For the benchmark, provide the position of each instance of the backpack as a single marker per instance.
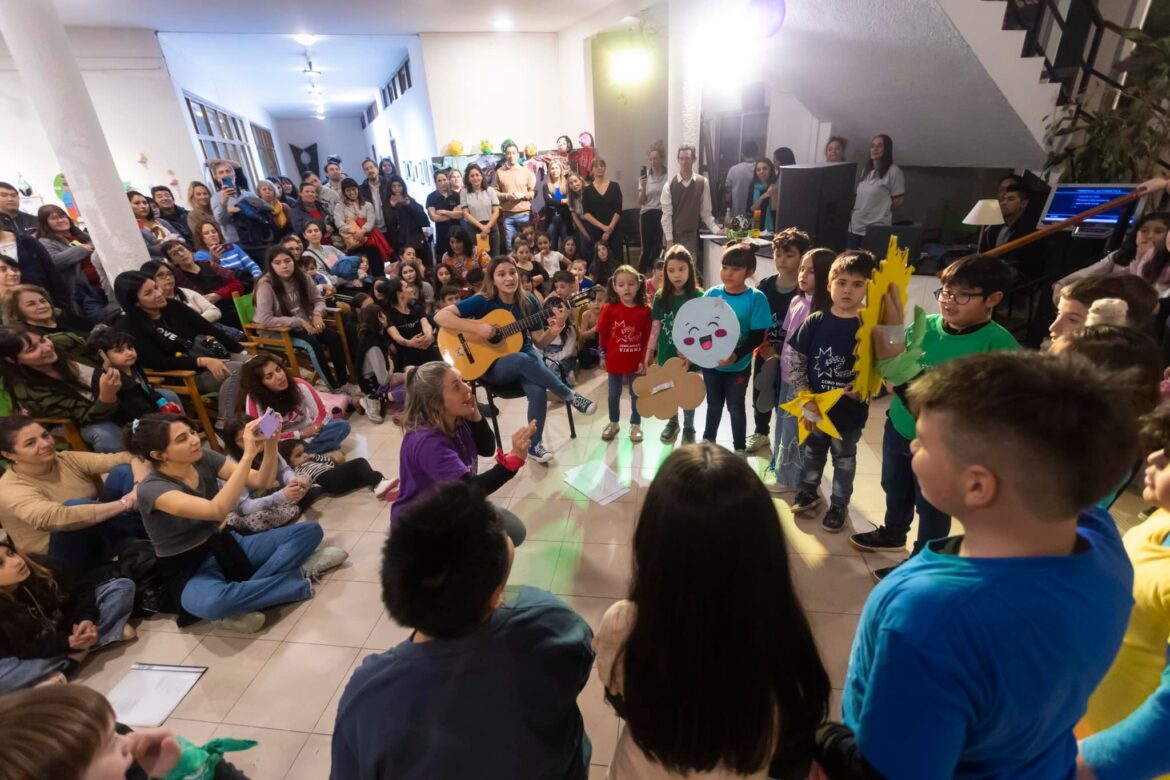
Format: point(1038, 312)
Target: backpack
point(347, 267)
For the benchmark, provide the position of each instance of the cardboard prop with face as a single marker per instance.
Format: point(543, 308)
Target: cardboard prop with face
point(705, 331)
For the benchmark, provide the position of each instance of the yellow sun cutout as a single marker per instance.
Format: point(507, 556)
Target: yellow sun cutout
point(894, 269)
point(824, 402)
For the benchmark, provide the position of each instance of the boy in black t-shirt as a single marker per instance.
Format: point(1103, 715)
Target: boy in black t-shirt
point(822, 360)
point(788, 246)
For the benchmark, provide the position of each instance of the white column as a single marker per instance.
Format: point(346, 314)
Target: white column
point(685, 77)
point(40, 48)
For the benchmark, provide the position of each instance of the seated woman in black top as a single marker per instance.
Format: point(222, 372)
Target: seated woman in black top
point(409, 327)
point(171, 337)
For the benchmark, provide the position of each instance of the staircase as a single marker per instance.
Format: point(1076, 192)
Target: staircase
point(1022, 80)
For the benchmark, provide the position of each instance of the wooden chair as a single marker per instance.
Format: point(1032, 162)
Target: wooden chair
point(182, 383)
point(282, 340)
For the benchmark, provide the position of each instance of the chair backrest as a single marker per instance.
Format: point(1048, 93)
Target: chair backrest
point(245, 306)
point(629, 226)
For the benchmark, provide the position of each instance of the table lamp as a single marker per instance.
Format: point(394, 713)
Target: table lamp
point(984, 213)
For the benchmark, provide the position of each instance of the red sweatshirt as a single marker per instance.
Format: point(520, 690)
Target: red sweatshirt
point(622, 333)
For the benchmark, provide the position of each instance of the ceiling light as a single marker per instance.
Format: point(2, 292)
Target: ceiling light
point(503, 23)
point(304, 39)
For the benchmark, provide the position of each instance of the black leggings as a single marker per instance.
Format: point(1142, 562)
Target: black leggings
point(351, 475)
point(327, 339)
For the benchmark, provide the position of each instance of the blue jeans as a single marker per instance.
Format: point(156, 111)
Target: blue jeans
point(816, 449)
point(730, 388)
point(786, 452)
point(557, 231)
point(615, 397)
point(332, 434)
point(527, 367)
point(93, 546)
point(103, 436)
point(115, 600)
point(277, 556)
point(688, 419)
point(903, 493)
point(512, 225)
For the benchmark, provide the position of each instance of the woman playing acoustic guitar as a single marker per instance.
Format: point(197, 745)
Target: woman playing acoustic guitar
point(501, 290)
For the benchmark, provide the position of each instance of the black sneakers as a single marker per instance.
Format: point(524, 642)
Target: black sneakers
point(881, 538)
point(807, 501)
point(834, 519)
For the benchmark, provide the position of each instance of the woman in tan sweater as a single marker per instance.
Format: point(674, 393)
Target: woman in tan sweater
point(50, 501)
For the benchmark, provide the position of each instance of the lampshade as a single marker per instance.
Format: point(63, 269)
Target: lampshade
point(984, 212)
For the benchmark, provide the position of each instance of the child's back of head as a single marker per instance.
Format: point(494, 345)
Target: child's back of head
point(1129, 361)
point(1046, 426)
point(445, 558)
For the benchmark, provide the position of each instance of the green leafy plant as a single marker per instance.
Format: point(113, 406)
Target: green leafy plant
point(1122, 139)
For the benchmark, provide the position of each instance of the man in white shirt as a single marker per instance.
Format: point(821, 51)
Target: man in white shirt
point(739, 178)
point(686, 205)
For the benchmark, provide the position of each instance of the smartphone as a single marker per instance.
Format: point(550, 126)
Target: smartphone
point(643, 171)
point(105, 359)
point(269, 423)
point(228, 183)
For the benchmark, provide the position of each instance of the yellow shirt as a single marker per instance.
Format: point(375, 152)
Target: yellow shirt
point(31, 508)
point(1137, 670)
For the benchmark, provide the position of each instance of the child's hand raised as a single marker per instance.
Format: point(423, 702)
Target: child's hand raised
point(522, 440)
point(893, 310)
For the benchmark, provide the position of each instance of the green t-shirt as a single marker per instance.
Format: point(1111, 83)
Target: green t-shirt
point(665, 346)
point(939, 347)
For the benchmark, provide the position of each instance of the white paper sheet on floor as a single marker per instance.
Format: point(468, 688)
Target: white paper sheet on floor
point(149, 693)
point(598, 482)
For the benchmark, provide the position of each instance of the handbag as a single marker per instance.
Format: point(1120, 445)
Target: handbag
point(207, 346)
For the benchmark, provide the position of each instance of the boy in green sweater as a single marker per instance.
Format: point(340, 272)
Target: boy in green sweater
point(971, 288)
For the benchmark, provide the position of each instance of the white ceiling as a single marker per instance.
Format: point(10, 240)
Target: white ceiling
point(353, 67)
point(340, 17)
point(898, 67)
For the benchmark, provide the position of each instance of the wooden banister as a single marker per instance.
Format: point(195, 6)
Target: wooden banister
point(1076, 219)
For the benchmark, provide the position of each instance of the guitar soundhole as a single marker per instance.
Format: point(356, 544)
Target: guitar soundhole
point(496, 337)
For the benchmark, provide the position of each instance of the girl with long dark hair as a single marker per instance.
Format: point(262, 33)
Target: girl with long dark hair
point(679, 286)
point(764, 193)
point(72, 251)
point(266, 383)
point(409, 328)
point(287, 298)
point(710, 560)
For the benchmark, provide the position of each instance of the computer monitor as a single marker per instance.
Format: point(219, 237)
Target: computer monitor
point(818, 199)
point(1068, 200)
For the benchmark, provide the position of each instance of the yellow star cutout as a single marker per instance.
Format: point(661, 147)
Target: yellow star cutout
point(824, 401)
point(894, 269)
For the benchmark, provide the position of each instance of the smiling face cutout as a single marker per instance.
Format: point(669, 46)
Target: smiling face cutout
point(705, 331)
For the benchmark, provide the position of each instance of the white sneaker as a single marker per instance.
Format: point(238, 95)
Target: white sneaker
point(758, 441)
point(322, 560)
point(247, 623)
point(373, 407)
point(387, 490)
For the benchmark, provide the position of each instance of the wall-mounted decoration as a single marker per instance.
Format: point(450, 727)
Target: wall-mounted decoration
point(306, 158)
point(423, 173)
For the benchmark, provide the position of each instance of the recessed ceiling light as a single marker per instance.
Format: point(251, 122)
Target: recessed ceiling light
point(503, 23)
point(304, 39)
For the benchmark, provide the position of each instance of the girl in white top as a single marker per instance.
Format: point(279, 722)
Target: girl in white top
point(881, 190)
point(324, 254)
point(709, 550)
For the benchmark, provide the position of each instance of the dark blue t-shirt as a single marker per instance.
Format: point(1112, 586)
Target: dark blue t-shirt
point(500, 702)
point(828, 341)
point(477, 306)
point(778, 302)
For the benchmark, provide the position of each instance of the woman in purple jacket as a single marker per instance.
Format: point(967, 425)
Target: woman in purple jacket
point(445, 435)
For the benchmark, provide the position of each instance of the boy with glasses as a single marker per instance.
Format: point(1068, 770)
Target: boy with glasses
point(971, 289)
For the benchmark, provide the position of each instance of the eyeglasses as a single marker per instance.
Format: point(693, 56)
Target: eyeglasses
point(946, 296)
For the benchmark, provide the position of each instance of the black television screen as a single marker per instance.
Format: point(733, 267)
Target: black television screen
point(818, 199)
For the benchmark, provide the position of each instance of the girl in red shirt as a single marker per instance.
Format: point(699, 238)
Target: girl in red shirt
point(623, 331)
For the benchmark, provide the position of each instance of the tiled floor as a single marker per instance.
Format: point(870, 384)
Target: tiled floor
point(281, 686)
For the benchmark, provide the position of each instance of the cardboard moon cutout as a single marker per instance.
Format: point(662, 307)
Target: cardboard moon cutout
point(705, 331)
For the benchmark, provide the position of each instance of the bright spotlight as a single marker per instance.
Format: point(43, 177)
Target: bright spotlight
point(630, 66)
point(304, 39)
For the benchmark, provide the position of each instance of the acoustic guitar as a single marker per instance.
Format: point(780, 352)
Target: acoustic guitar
point(474, 355)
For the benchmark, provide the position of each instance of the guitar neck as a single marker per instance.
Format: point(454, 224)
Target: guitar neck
point(520, 325)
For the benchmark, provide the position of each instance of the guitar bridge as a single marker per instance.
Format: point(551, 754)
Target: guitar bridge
point(466, 348)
